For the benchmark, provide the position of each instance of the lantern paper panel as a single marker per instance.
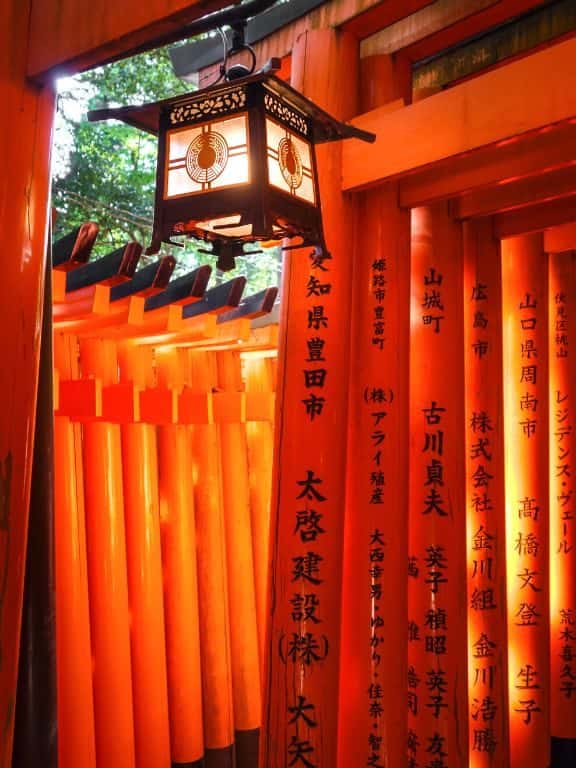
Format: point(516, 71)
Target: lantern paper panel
point(208, 156)
point(289, 162)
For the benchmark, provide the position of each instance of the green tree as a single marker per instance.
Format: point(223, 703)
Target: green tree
point(105, 172)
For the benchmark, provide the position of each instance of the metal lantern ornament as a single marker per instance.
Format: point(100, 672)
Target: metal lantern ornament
point(236, 162)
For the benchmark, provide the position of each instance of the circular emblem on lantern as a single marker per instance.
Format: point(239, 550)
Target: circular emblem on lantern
point(206, 157)
point(290, 163)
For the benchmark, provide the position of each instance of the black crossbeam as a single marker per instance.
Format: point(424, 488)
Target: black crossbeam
point(219, 299)
point(155, 276)
point(120, 264)
point(189, 287)
point(253, 306)
point(74, 249)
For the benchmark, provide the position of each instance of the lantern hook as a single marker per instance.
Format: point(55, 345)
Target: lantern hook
point(237, 71)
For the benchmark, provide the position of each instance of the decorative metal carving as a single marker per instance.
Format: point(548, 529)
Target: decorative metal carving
point(286, 114)
point(224, 103)
point(206, 157)
point(290, 163)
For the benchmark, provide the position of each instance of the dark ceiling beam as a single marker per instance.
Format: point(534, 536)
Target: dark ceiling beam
point(188, 59)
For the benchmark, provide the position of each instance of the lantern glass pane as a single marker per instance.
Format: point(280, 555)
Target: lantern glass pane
point(289, 162)
point(225, 226)
point(209, 156)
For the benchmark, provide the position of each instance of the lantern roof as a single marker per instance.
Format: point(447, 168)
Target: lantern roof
point(146, 117)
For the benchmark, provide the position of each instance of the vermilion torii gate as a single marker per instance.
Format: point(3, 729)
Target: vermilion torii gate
point(422, 485)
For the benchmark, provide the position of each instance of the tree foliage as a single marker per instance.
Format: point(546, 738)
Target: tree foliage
point(105, 172)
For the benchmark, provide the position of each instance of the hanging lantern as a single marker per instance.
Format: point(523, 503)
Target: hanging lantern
point(236, 163)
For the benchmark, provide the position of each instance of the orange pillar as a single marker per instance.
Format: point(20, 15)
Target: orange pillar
point(76, 739)
point(144, 561)
point(525, 299)
point(212, 577)
point(240, 567)
point(373, 693)
point(437, 687)
point(176, 489)
point(260, 439)
point(107, 574)
point(562, 361)
point(301, 687)
point(372, 724)
point(485, 501)
point(25, 135)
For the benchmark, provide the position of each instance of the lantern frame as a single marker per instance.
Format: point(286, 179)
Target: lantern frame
point(266, 211)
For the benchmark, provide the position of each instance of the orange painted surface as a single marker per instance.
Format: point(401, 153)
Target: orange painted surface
point(437, 601)
point(107, 574)
point(547, 186)
point(372, 723)
point(485, 503)
point(562, 361)
point(446, 24)
point(145, 579)
point(260, 440)
point(560, 239)
point(501, 104)
point(145, 583)
point(528, 155)
point(76, 741)
point(240, 561)
point(366, 22)
point(180, 594)
point(525, 298)
point(76, 737)
point(212, 568)
point(301, 686)
point(374, 608)
point(67, 35)
point(535, 218)
point(25, 135)
point(143, 552)
point(179, 560)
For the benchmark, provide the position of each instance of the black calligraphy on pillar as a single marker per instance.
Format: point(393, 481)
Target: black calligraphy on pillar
point(378, 283)
point(484, 704)
point(375, 703)
point(526, 614)
point(377, 401)
point(432, 302)
point(305, 644)
point(315, 370)
point(302, 721)
point(564, 522)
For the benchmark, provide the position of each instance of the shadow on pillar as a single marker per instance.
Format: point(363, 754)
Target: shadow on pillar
point(563, 753)
point(35, 735)
point(246, 743)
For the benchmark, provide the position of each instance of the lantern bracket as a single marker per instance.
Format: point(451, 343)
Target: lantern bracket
point(239, 44)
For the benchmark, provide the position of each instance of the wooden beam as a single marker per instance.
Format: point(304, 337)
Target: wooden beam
point(442, 25)
point(69, 36)
point(516, 194)
point(381, 15)
point(528, 155)
point(358, 17)
point(560, 239)
point(524, 96)
point(535, 218)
